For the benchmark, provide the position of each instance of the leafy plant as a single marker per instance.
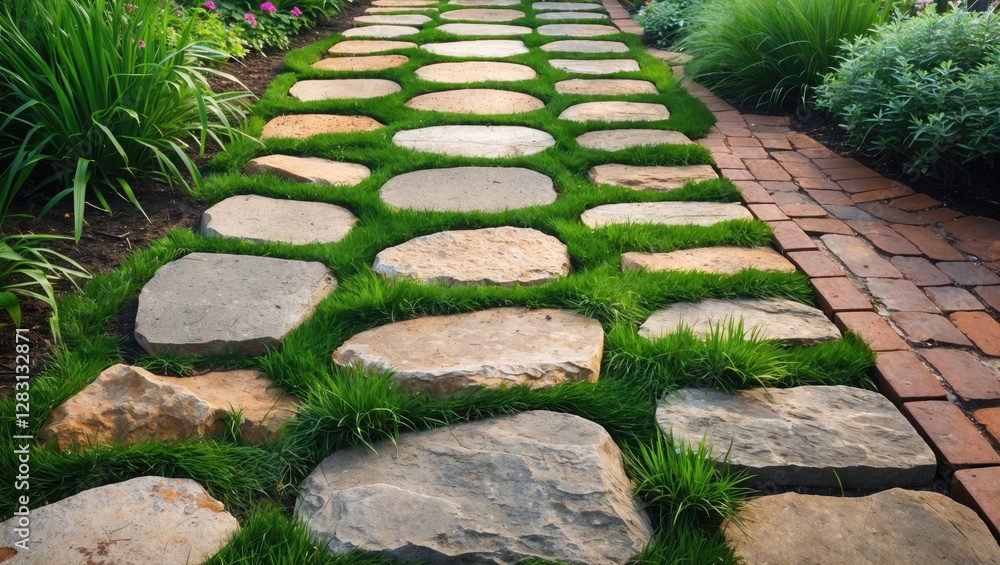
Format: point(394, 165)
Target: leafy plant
point(267, 25)
point(208, 28)
point(663, 21)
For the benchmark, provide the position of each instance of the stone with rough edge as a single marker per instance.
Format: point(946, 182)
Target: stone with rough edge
point(559, 16)
point(665, 213)
point(476, 101)
point(402, 9)
point(345, 88)
point(482, 15)
point(475, 141)
point(404, 3)
point(896, 526)
point(585, 46)
point(129, 404)
point(480, 3)
point(302, 126)
point(259, 218)
point(537, 485)
point(475, 71)
point(371, 63)
point(469, 189)
point(772, 318)
point(308, 169)
point(820, 436)
point(393, 19)
point(595, 67)
point(213, 303)
point(612, 111)
point(381, 31)
point(718, 260)
point(651, 178)
point(142, 520)
point(565, 6)
point(605, 87)
point(485, 30)
point(618, 139)
point(362, 46)
point(479, 48)
point(576, 30)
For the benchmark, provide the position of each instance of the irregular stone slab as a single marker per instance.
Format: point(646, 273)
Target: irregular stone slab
point(895, 526)
point(556, 16)
point(670, 56)
point(308, 169)
point(143, 520)
point(618, 139)
point(565, 6)
point(605, 87)
point(596, 66)
point(486, 30)
point(475, 141)
point(475, 71)
point(502, 490)
point(129, 404)
point(615, 112)
point(820, 436)
point(258, 218)
point(723, 260)
point(302, 126)
point(651, 178)
point(362, 46)
point(381, 31)
point(469, 189)
point(345, 88)
point(484, 2)
point(213, 303)
point(404, 3)
point(665, 213)
point(576, 30)
point(398, 19)
point(479, 48)
point(373, 63)
point(585, 46)
point(504, 256)
point(482, 15)
point(773, 318)
point(442, 355)
point(401, 9)
point(476, 101)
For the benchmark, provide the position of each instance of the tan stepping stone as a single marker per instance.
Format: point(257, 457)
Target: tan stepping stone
point(364, 46)
point(476, 101)
point(308, 169)
point(401, 9)
point(442, 355)
point(670, 56)
point(564, 6)
point(595, 67)
point(475, 71)
point(576, 30)
point(129, 404)
point(482, 15)
point(345, 88)
point(404, 3)
point(213, 303)
point(142, 520)
point(894, 526)
point(381, 31)
point(817, 436)
point(302, 126)
point(773, 318)
point(651, 178)
point(556, 16)
point(618, 139)
point(476, 141)
point(585, 46)
point(485, 30)
point(469, 189)
point(393, 19)
point(605, 86)
point(615, 112)
point(479, 48)
point(721, 260)
point(504, 256)
point(258, 218)
point(372, 63)
point(665, 213)
point(484, 2)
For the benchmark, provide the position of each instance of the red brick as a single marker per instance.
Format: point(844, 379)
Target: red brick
point(762, 120)
point(766, 169)
point(968, 274)
point(803, 210)
point(881, 194)
point(976, 236)
point(966, 375)
point(859, 258)
point(744, 142)
point(851, 173)
point(817, 152)
point(736, 174)
point(867, 184)
point(747, 152)
point(890, 214)
point(823, 226)
point(726, 160)
point(884, 238)
point(920, 271)
point(789, 157)
point(941, 215)
point(815, 264)
point(733, 131)
point(979, 489)
point(989, 418)
point(981, 328)
point(803, 141)
point(991, 294)
point(930, 245)
point(898, 295)
point(870, 327)
point(830, 197)
point(767, 212)
point(753, 192)
point(779, 143)
point(831, 163)
point(732, 115)
point(901, 377)
point(915, 203)
point(819, 184)
point(921, 327)
point(803, 170)
point(951, 434)
point(953, 299)
point(837, 294)
point(769, 129)
point(789, 237)
point(780, 186)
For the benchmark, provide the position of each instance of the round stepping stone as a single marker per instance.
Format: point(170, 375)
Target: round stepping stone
point(895, 526)
point(595, 67)
point(346, 88)
point(481, 48)
point(772, 318)
point(469, 189)
point(401, 9)
point(665, 213)
point(618, 139)
point(651, 178)
point(556, 16)
point(484, 2)
point(398, 19)
point(576, 30)
point(142, 520)
point(504, 256)
point(820, 436)
point(476, 141)
point(302, 126)
point(486, 30)
point(373, 63)
point(363, 46)
point(585, 46)
point(475, 71)
point(257, 218)
point(381, 31)
point(482, 15)
point(615, 112)
point(502, 490)
point(476, 101)
point(564, 6)
point(442, 355)
point(404, 3)
point(308, 169)
point(716, 260)
point(213, 303)
point(605, 87)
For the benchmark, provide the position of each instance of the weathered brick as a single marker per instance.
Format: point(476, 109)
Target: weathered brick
point(940, 215)
point(953, 299)
point(838, 294)
point(976, 236)
point(920, 271)
point(851, 173)
point(766, 169)
point(747, 152)
point(870, 327)
point(763, 120)
point(979, 489)
point(867, 184)
point(736, 174)
point(859, 258)
point(831, 163)
point(830, 197)
point(724, 159)
point(930, 245)
point(803, 210)
point(966, 375)
point(803, 141)
point(789, 237)
point(744, 141)
point(815, 264)
point(817, 152)
point(819, 184)
point(915, 203)
point(892, 215)
point(921, 327)
point(901, 377)
point(779, 143)
point(981, 328)
point(951, 434)
point(968, 274)
point(989, 418)
point(789, 157)
point(767, 212)
point(884, 238)
point(753, 192)
point(803, 170)
point(991, 294)
point(899, 295)
point(780, 186)
point(850, 213)
point(823, 226)
point(881, 194)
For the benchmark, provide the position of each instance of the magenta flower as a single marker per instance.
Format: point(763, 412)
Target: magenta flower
point(250, 19)
point(268, 7)
point(210, 6)
point(296, 11)
point(142, 44)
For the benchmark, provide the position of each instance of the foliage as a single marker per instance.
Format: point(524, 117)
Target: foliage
point(209, 29)
point(268, 25)
point(663, 21)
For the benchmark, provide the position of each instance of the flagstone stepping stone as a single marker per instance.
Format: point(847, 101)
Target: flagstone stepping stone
point(302, 126)
point(585, 46)
point(397, 19)
point(214, 303)
point(613, 111)
point(345, 88)
point(479, 48)
point(475, 71)
point(476, 101)
point(363, 46)
point(533, 486)
point(723, 260)
point(258, 218)
point(486, 30)
point(576, 30)
point(651, 178)
point(894, 526)
point(504, 256)
point(595, 67)
point(565, 6)
point(372, 63)
point(484, 2)
point(475, 141)
point(665, 213)
point(482, 15)
point(605, 87)
point(381, 31)
point(442, 355)
point(820, 436)
point(571, 16)
point(469, 189)
point(404, 3)
point(772, 318)
point(618, 139)
point(401, 9)
point(129, 404)
point(308, 169)
point(142, 520)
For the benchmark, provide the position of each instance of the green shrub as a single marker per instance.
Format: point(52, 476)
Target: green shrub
point(926, 90)
point(663, 21)
point(269, 24)
point(209, 29)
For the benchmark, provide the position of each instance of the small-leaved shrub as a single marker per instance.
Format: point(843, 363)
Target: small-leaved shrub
point(208, 28)
point(663, 21)
point(269, 24)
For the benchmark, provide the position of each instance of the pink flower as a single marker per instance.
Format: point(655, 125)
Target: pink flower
point(142, 44)
point(268, 7)
point(250, 19)
point(296, 11)
point(210, 6)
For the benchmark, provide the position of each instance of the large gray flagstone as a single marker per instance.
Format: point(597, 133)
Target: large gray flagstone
point(595, 66)
point(475, 141)
point(393, 19)
point(651, 178)
point(258, 218)
point(585, 46)
point(485, 30)
point(479, 48)
point(364, 46)
point(722, 260)
point(476, 101)
point(381, 31)
point(475, 71)
point(576, 30)
point(618, 139)
point(615, 111)
point(665, 213)
point(482, 15)
point(469, 189)
point(345, 88)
